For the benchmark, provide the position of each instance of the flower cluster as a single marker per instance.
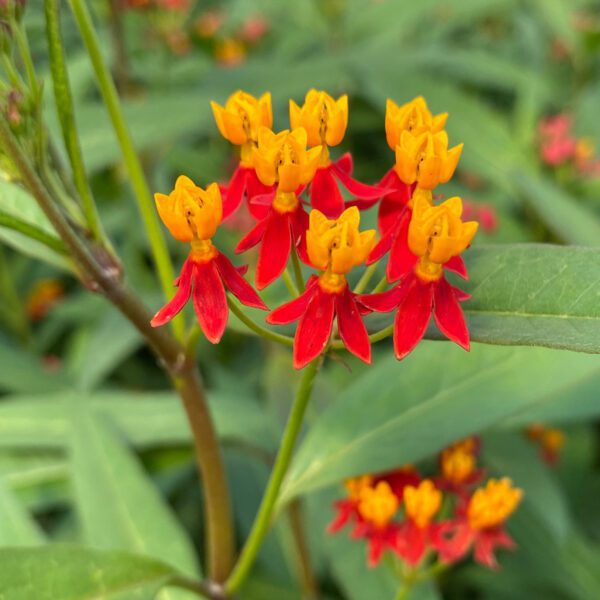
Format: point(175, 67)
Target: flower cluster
point(306, 207)
point(559, 146)
point(415, 518)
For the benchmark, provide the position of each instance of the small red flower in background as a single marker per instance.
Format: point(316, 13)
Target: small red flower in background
point(458, 467)
point(192, 215)
point(334, 247)
point(436, 236)
point(484, 214)
point(480, 524)
point(325, 120)
point(557, 142)
point(43, 297)
point(549, 439)
point(421, 504)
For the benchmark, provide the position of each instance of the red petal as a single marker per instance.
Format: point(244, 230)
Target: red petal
point(356, 188)
point(255, 188)
point(352, 329)
point(179, 300)
point(452, 539)
point(252, 237)
point(449, 315)
point(299, 220)
point(394, 202)
point(376, 547)
point(389, 300)
point(210, 301)
point(346, 509)
point(344, 163)
point(412, 318)
point(235, 191)
point(381, 247)
point(460, 295)
point(325, 194)
point(402, 260)
point(274, 250)
point(457, 265)
point(237, 285)
point(412, 543)
point(292, 311)
point(314, 328)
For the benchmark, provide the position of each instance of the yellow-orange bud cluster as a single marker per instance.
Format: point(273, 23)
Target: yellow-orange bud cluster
point(458, 461)
point(437, 233)
point(337, 245)
point(492, 505)
point(242, 116)
point(422, 502)
point(189, 212)
point(378, 504)
point(324, 118)
point(282, 158)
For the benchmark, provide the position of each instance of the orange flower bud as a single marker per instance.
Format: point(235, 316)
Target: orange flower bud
point(337, 245)
point(242, 116)
point(189, 212)
point(378, 504)
point(422, 502)
point(492, 505)
point(324, 118)
point(425, 159)
point(282, 158)
point(414, 117)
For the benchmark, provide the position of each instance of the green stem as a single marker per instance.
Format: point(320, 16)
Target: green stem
point(132, 161)
point(363, 282)
point(289, 284)
point(262, 521)
point(31, 231)
point(182, 370)
point(404, 591)
point(11, 300)
point(237, 310)
point(23, 46)
point(66, 115)
point(374, 337)
point(381, 285)
point(297, 270)
point(306, 576)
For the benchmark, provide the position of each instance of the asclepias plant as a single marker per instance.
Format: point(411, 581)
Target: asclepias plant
point(306, 207)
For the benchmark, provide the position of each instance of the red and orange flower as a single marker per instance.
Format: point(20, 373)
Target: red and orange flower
point(192, 215)
point(436, 235)
point(334, 247)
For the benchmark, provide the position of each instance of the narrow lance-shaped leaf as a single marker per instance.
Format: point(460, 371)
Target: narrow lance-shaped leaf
point(399, 413)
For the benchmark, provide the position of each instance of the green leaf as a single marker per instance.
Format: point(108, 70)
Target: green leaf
point(17, 203)
point(118, 505)
point(534, 295)
point(23, 372)
point(146, 419)
point(569, 219)
point(77, 573)
point(403, 412)
point(17, 528)
point(92, 362)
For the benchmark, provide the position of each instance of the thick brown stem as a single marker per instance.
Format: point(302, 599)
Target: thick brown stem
point(181, 368)
point(305, 572)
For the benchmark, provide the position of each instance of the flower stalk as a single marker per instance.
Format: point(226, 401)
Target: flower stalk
point(264, 517)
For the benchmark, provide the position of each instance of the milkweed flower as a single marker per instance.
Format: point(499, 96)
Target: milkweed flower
point(192, 215)
point(239, 122)
point(550, 440)
point(436, 235)
point(347, 509)
point(377, 507)
point(480, 524)
point(421, 504)
point(458, 467)
point(325, 120)
point(334, 247)
point(280, 160)
point(422, 162)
